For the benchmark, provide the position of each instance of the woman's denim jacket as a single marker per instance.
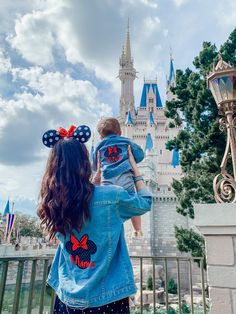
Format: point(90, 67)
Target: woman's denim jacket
point(93, 268)
point(114, 155)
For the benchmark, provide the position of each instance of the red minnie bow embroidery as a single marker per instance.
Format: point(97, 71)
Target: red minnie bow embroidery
point(112, 150)
point(76, 244)
point(67, 133)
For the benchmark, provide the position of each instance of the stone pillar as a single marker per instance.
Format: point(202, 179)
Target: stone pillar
point(217, 223)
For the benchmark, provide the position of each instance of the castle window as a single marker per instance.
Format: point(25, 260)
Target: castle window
point(158, 189)
point(160, 151)
point(169, 189)
point(151, 100)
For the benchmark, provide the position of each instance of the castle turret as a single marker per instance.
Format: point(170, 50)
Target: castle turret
point(175, 158)
point(171, 82)
point(149, 143)
point(127, 75)
point(129, 121)
point(151, 119)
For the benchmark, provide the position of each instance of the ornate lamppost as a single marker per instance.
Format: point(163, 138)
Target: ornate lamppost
point(222, 83)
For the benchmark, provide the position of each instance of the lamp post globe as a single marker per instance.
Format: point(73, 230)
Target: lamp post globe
point(222, 83)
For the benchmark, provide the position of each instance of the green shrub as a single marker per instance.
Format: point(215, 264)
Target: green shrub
point(185, 309)
point(172, 286)
point(150, 283)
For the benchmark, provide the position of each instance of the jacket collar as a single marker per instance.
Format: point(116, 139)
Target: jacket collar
point(110, 136)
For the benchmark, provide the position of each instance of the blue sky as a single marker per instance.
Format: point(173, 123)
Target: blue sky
point(59, 65)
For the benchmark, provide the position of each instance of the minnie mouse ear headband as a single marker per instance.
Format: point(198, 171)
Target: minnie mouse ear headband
point(81, 133)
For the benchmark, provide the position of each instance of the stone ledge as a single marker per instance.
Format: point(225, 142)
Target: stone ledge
point(216, 219)
point(220, 250)
point(220, 301)
point(222, 276)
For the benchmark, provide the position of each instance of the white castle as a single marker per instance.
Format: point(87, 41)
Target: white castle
point(148, 126)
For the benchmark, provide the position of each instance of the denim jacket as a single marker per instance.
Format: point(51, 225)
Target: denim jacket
point(93, 268)
point(114, 155)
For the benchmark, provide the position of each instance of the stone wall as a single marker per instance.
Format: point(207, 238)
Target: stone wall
point(24, 251)
point(217, 222)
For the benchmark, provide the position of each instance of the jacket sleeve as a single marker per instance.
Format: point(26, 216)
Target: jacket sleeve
point(94, 162)
point(137, 152)
point(135, 204)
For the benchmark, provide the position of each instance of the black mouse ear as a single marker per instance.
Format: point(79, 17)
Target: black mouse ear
point(50, 138)
point(82, 133)
point(92, 247)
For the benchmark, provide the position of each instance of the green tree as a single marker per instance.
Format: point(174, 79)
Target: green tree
point(27, 226)
point(150, 283)
point(200, 141)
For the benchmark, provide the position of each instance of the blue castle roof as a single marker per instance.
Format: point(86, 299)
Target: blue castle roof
point(175, 158)
point(172, 72)
point(146, 88)
point(149, 142)
point(150, 118)
point(129, 119)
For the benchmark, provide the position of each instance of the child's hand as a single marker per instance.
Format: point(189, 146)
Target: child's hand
point(133, 162)
point(97, 177)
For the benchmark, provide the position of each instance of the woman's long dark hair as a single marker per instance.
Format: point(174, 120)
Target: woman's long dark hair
point(66, 189)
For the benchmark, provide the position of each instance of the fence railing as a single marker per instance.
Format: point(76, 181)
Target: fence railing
point(13, 271)
point(165, 260)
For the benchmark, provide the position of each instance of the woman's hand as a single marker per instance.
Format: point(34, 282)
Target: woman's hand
point(133, 162)
point(97, 177)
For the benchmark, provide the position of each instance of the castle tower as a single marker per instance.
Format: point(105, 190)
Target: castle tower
point(127, 75)
point(170, 82)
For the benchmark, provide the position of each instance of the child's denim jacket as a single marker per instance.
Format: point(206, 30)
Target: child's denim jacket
point(114, 155)
point(92, 267)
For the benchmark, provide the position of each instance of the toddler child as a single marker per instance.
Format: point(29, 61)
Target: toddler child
point(115, 165)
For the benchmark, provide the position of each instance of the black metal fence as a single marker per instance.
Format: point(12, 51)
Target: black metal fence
point(41, 276)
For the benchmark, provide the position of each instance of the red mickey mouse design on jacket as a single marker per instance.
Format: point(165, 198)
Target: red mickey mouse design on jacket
point(113, 153)
point(81, 250)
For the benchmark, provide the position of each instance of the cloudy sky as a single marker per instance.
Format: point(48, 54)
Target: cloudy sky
point(59, 66)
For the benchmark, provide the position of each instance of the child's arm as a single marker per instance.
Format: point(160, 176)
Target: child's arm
point(134, 204)
point(137, 152)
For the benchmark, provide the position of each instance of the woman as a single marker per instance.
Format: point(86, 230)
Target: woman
point(91, 271)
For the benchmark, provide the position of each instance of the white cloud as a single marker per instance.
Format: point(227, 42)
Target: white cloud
point(34, 38)
point(225, 12)
point(51, 33)
point(165, 32)
point(49, 99)
point(5, 63)
point(151, 24)
point(149, 3)
point(40, 32)
point(178, 3)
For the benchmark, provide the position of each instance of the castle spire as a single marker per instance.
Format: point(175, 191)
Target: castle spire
point(170, 82)
point(127, 75)
point(171, 79)
point(127, 45)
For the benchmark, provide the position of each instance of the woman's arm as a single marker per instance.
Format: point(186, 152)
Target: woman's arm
point(139, 184)
point(134, 204)
point(97, 176)
point(137, 152)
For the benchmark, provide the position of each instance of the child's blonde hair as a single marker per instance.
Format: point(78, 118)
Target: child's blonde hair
point(107, 126)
